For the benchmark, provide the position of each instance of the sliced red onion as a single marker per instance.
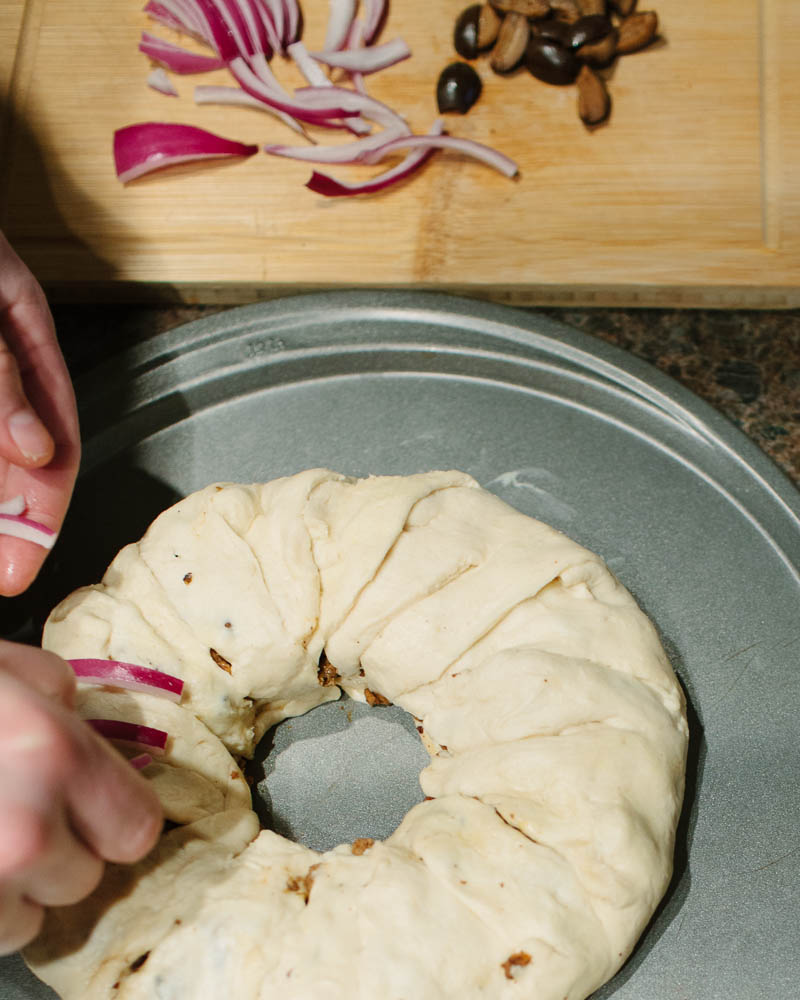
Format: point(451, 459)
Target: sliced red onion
point(468, 147)
point(158, 12)
point(346, 152)
point(374, 17)
point(352, 103)
point(256, 28)
point(263, 10)
point(131, 676)
point(331, 187)
point(277, 15)
point(369, 59)
point(14, 505)
point(153, 740)
point(147, 146)
point(218, 30)
point(308, 65)
point(322, 113)
point(204, 94)
point(159, 81)
point(140, 761)
point(292, 11)
point(317, 77)
point(31, 531)
point(229, 9)
point(175, 58)
point(182, 15)
point(356, 41)
point(340, 18)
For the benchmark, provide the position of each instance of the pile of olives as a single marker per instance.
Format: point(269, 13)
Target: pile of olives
point(558, 41)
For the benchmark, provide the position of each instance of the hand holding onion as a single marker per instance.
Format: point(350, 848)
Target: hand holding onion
point(68, 801)
point(39, 437)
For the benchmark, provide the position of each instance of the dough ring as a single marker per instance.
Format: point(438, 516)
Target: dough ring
point(555, 723)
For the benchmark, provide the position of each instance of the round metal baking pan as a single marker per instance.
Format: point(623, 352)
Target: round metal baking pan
point(693, 518)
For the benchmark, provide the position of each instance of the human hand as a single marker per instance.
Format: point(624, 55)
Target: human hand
point(68, 801)
point(39, 436)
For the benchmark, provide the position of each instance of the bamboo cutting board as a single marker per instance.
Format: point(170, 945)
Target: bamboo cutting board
point(689, 196)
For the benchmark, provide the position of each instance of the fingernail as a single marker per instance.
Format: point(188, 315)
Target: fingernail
point(29, 435)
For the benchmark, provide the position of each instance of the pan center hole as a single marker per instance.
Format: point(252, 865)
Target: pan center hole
point(341, 771)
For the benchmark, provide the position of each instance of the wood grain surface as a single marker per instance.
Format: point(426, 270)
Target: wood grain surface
point(690, 195)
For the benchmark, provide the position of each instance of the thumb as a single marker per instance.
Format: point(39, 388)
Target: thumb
point(24, 440)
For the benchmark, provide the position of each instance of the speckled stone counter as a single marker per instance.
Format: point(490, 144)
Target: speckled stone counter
point(745, 364)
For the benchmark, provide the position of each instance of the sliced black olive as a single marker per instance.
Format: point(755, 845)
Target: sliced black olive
point(465, 35)
point(551, 62)
point(589, 29)
point(459, 87)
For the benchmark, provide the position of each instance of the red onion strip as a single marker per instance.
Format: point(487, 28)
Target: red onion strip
point(158, 80)
point(340, 18)
point(353, 103)
point(19, 526)
point(369, 59)
point(468, 147)
point(140, 761)
point(292, 11)
point(319, 114)
point(131, 676)
point(175, 58)
point(356, 41)
point(267, 20)
point(331, 187)
point(204, 94)
point(255, 27)
point(147, 146)
point(233, 18)
point(317, 77)
point(308, 65)
point(14, 505)
point(346, 152)
point(186, 16)
point(158, 12)
point(154, 740)
point(278, 15)
point(374, 18)
point(219, 33)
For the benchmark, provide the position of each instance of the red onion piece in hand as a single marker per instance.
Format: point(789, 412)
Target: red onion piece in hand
point(23, 527)
point(14, 505)
point(153, 740)
point(132, 676)
point(140, 761)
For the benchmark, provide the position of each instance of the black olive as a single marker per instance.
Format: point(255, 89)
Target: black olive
point(588, 29)
point(551, 62)
point(459, 87)
point(465, 35)
point(554, 30)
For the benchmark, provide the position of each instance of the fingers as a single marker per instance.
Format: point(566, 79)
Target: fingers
point(45, 672)
point(112, 807)
point(24, 439)
point(20, 921)
point(68, 800)
point(39, 435)
point(43, 859)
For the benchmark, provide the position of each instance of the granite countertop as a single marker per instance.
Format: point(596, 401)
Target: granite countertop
point(746, 364)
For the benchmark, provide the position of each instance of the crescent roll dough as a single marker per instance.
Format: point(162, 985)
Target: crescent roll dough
point(556, 728)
